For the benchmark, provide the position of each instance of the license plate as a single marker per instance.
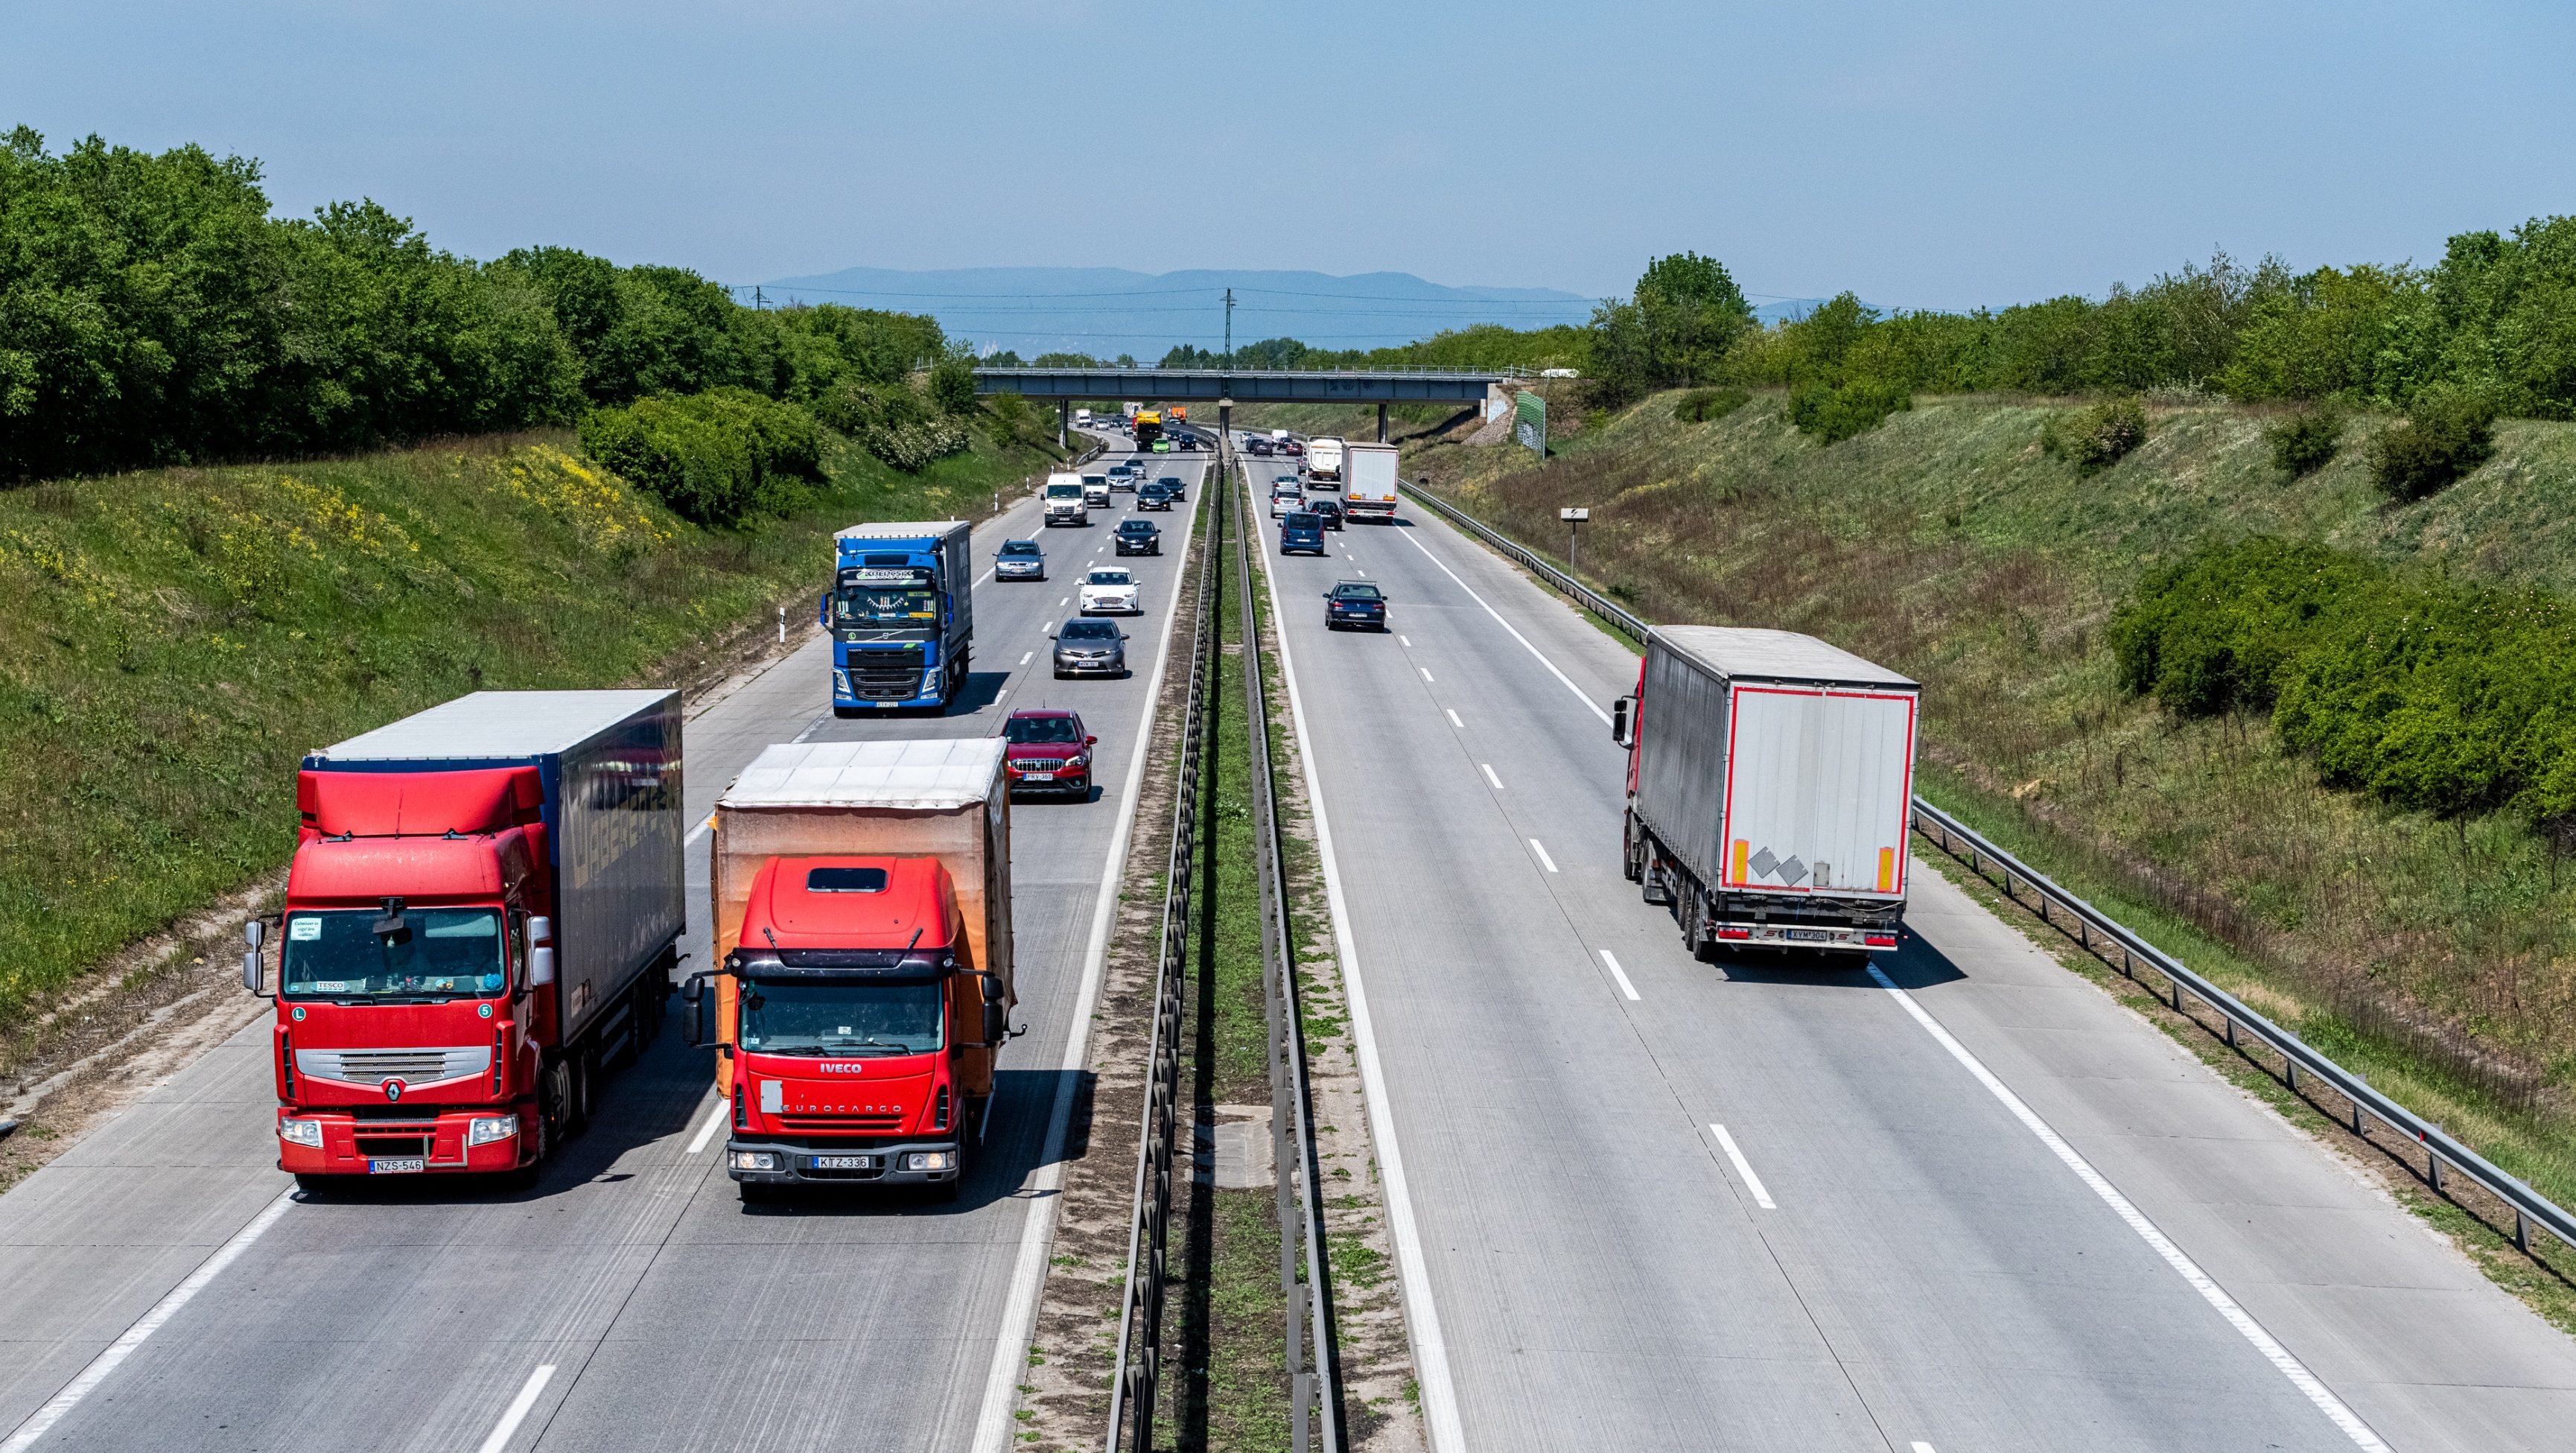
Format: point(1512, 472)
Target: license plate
point(845, 1162)
point(1811, 935)
point(405, 1165)
point(1037, 776)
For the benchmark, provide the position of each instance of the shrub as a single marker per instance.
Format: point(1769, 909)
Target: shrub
point(2304, 442)
point(1706, 405)
point(892, 422)
point(713, 457)
point(1833, 413)
point(2445, 435)
point(2094, 439)
point(952, 385)
point(2427, 695)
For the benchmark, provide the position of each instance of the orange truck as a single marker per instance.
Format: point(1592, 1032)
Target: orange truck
point(861, 897)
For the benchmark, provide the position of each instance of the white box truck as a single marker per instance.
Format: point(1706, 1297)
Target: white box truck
point(1368, 492)
point(1324, 459)
point(1770, 784)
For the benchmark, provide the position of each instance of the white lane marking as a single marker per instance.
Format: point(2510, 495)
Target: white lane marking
point(42, 1420)
point(700, 830)
point(1425, 670)
point(811, 728)
point(1919, 1446)
point(1026, 659)
point(517, 1412)
point(1405, 641)
point(1744, 1168)
point(1543, 858)
point(998, 695)
point(2273, 1352)
point(1061, 604)
point(1362, 574)
point(1620, 974)
point(994, 1426)
point(1453, 718)
point(1579, 695)
point(1489, 775)
point(1445, 1432)
point(715, 1122)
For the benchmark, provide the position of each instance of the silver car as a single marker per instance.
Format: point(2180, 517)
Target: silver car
point(1019, 560)
point(1087, 647)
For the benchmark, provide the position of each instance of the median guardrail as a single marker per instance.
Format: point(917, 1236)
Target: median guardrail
point(1137, 1378)
point(1313, 1383)
point(2106, 938)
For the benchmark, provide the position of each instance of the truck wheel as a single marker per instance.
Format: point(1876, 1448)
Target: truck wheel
point(1694, 923)
point(554, 1107)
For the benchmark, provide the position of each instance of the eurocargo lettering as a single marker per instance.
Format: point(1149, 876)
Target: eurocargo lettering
point(861, 903)
point(1770, 780)
point(901, 611)
point(480, 919)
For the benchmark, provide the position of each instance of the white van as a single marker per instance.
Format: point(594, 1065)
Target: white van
point(1064, 501)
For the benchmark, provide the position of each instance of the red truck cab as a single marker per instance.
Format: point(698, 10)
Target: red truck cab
point(845, 1010)
point(406, 1035)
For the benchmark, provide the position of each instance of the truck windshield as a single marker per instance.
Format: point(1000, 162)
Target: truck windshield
point(886, 597)
point(842, 1016)
point(435, 953)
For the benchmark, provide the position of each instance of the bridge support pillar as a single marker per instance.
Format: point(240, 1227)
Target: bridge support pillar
point(1224, 427)
point(1063, 423)
point(1381, 423)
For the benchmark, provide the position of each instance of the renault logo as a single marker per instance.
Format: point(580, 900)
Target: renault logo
point(393, 1089)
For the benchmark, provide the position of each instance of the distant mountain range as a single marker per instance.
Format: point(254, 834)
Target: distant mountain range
point(1107, 311)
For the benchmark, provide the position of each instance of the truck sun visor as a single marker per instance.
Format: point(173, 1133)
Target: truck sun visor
point(843, 961)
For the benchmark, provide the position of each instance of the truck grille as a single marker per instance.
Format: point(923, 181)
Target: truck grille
point(375, 1066)
point(393, 1147)
point(885, 675)
point(843, 1124)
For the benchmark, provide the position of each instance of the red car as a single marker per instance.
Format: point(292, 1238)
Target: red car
point(1049, 751)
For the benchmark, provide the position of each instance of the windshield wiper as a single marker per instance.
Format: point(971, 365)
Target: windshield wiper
point(869, 1045)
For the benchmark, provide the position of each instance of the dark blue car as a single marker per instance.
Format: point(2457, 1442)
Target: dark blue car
point(1355, 603)
point(1301, 530)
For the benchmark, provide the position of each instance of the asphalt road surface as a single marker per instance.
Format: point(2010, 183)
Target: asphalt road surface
point(670, 1315)
point(1877, 1250)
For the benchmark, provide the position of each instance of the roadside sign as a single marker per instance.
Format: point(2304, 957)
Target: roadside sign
point(1530, 424)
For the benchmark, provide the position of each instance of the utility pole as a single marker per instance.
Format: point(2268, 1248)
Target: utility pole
point(1229, 327)
point(759, 300)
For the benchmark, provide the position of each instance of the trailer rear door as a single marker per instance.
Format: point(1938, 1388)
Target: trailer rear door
point(1819, 780)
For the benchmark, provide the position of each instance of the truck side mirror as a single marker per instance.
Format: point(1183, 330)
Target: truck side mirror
point(1619, 721)
point(693, 992)
point(541, 966)
point(823, 610)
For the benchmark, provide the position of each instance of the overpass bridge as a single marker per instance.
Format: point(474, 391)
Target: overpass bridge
point(1226, 387)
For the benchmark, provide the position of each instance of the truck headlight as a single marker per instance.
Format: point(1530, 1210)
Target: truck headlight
point(301, 1132)
point(930, 679)
point(484, 1129)
point(840, 681)
point(754, 1160)
point(930, 1160)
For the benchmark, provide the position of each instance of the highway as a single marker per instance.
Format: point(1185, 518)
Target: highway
point(631, 1300)
point(1647, 1203)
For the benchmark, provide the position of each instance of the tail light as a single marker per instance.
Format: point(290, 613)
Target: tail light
point(1734, 932)
point(740, 1117)
point(939, 1110)
point(1880, 940)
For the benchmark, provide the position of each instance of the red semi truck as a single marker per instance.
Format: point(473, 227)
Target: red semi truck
point(861, 905)
point(483, 912)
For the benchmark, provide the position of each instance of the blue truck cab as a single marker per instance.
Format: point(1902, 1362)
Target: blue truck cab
point(901, 612)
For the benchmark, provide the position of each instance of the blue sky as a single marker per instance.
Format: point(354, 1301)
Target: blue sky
point(1922, 154)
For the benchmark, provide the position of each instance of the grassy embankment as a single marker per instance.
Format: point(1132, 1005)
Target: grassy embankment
point(176, 639)
point(2437, 957)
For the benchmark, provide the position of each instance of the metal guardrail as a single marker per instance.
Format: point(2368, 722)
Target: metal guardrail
point(1137, 1378)
point(2104, 936)
point(1314, 1386)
